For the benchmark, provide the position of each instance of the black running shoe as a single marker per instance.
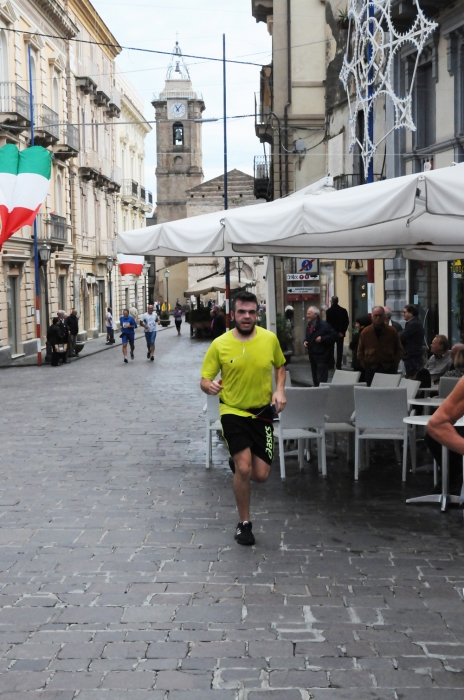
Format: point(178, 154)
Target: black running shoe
point(148, 355)
point(232, 465)
point(152, 358)
point(244, 535)
point(132, 355)
point(126, 360)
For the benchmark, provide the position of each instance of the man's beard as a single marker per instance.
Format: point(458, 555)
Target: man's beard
point(245, 331)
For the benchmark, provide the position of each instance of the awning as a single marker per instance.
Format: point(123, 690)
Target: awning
point(214, 284)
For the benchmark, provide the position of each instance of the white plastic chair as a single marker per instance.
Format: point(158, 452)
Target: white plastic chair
point(379, 416)
point(213, 424)
point(340, 408)
point(342, 376)
point(385, 380)
point(411, 386)
point(446, 386)
point(288, 379)
point(303, 419)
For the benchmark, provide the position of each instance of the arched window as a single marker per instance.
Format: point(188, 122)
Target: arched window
point(59, 195)
point(35, 86)
point(3, 58)
point(55, 93)
point(178, 134)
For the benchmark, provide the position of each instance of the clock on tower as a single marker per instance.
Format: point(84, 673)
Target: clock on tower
point(179, 149)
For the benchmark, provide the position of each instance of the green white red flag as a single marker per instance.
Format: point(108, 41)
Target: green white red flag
point(24, 185)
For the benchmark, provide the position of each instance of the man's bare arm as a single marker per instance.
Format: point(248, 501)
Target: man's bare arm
point(441, 424)
point(278, 398)
point(211, 386)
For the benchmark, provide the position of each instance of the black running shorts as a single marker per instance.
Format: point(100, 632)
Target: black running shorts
point(240, 432)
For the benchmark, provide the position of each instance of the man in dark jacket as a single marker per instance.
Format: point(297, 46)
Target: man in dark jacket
point(73, 327)
point(412, 340)
point(320, 339)
point(379, 347)
point(337, 316)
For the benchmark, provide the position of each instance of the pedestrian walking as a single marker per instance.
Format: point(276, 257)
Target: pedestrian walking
point(134, 313)
point(72, 324)
point(338, 318)
point(245, 357)
point(109, 326)
point(379, 347)
point(128, 326)
point(57, 336)
point(319, 341)
point(178, 318)
point(218, 322)
point(150, 321)
point(361, 323)
point(412, 340)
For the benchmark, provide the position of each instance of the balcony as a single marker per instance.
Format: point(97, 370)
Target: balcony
point(14, 106)
point(262, 184)
point(58, 233)
point(262, 9)
point(150, 198)
point(68, 147)
point(263, 115)
point(102, 95)
point(114, 107)
point(147, 206)
point(47, 126)
point(93, 166)
point(343, 182)
point(87, 80)
point(130, 192)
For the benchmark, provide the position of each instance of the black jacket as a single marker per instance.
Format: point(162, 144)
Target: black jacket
point(73, 324)
point(218, 326)
point(412, 338)
point(337, 316)
point(56, 335)
point(355, 363)
point(397, 326)
point(322, 351)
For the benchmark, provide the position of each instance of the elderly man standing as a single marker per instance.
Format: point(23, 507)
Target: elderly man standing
point(320, 340)
point(379, 347)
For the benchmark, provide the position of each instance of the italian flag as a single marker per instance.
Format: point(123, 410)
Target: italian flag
point(131, 264)
point(24, 184)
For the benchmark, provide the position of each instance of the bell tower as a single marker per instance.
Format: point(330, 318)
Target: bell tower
point(178, 138)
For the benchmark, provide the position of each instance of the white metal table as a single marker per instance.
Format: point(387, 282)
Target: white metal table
point(443, 498)
point(431, 402)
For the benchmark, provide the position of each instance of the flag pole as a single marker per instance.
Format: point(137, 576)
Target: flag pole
point(36, 244)
point(226, 199)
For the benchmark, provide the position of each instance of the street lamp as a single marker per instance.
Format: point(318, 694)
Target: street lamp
point(44, 257)
point(109, 267)
point(239, 265)
point(166, 276)
point(145, 269)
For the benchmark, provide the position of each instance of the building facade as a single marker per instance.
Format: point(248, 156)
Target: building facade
point(77, 100)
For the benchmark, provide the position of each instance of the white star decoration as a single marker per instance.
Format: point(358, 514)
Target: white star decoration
point(373, 78)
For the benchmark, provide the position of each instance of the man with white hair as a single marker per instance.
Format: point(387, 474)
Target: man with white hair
point(320, 340)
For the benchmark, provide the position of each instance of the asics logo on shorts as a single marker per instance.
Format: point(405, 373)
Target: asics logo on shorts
point(269, 442)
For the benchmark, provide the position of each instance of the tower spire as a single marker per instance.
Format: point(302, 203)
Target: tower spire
point(177, 67)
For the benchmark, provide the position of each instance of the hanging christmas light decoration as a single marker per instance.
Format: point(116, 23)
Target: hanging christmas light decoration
point(367, 71)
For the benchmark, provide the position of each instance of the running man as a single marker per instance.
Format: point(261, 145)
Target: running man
point(245, 357)
point(149, 321)
point(128, 326)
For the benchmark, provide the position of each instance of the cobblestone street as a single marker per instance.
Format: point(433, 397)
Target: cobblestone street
point(120, 578)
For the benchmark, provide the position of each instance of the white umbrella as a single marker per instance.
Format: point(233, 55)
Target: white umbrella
point(213, 284)
point(420, 214)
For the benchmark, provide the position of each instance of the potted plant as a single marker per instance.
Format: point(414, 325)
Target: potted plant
point(164, 319)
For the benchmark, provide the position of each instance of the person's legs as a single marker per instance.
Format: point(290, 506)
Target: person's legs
point(124, 348)
point(322, 372)
point(248, 467)
point(369, 374)
point(148, 342)
point(314, 372)
point(339, 352)
point(132, 347)
point(178, 325)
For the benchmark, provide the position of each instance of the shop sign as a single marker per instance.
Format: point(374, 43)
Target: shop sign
point(458, 270)
point(302, 277)
point(303, 290)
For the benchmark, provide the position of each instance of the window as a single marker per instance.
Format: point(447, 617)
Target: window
point(424, 94)
point(12, 301)
point(3, 58)
point(178, 134)
point(59, 199)
point(55, 94)
point(62, 291)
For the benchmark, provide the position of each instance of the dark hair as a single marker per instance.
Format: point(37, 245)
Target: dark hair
point(290, 314)
point(443, 340)
point(364, 320)
point(335, 300)
point(411, 309)
point(125, 310)
point(245, 297)
point(110, 309)
point(55, 319)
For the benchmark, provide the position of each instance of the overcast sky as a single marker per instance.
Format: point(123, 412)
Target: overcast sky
point(153, 24)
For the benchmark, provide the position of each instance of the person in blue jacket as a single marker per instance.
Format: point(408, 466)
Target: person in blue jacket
point(128, 326)
point(319, 341)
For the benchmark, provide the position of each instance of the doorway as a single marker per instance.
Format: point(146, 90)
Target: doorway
point(423, 293)
point(358, 290)
point(12, 306)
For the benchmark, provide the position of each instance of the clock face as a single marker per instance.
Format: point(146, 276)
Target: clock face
point(178, 109)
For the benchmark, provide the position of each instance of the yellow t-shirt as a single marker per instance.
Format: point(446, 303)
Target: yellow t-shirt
point(246, 370)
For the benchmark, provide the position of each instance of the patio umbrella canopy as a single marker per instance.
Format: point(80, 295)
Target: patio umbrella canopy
point(420, 214)
point(213, 284)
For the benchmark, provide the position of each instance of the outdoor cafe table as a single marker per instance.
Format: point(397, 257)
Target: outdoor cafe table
point(431, 402)
point(444, 497)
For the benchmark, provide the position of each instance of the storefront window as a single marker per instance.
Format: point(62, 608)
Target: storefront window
point(423, 292)
point(456, 302)
point(326, 272)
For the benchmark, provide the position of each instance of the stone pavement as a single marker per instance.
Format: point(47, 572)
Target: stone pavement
point(120, 578)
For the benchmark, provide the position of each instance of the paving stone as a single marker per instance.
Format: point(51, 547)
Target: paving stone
point(183, 680)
